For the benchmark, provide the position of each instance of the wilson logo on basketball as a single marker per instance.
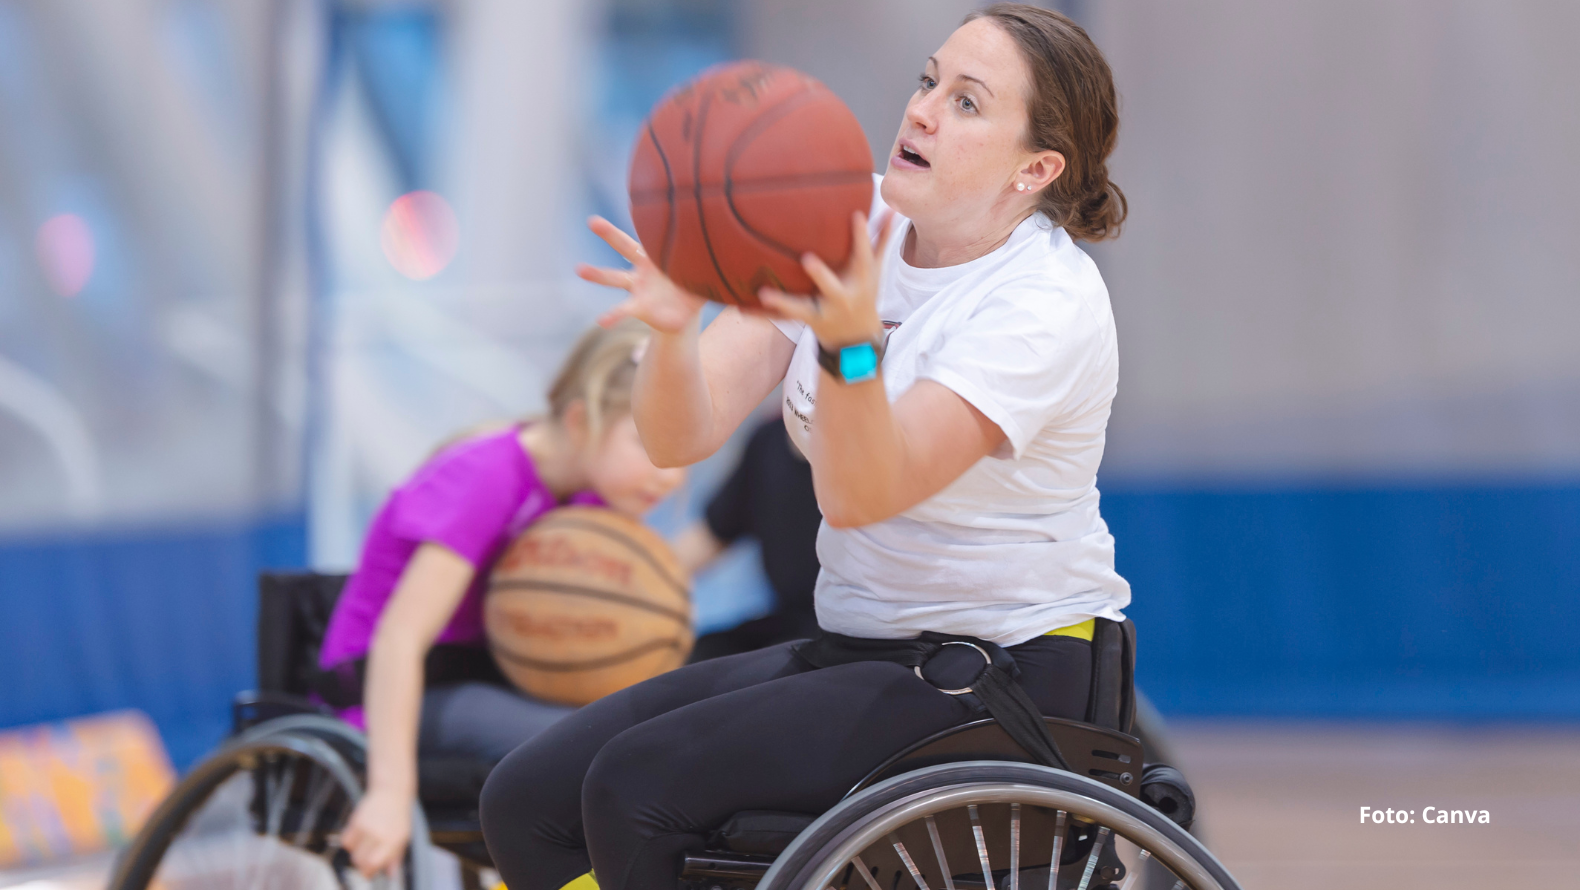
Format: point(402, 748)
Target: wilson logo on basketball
point(560, 627)
point(747, 88)
point(584, 602)
point(560, 553)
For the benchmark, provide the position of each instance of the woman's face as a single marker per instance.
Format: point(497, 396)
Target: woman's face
point(963, 139)
point(619, 470)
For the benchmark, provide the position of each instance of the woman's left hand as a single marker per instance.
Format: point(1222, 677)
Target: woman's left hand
point(845, 311)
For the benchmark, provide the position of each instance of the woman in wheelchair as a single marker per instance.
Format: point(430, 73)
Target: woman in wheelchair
point(411, 615)
point(951, 388)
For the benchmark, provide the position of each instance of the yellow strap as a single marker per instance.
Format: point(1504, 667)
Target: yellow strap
point(1082, 631)
point(585, 882)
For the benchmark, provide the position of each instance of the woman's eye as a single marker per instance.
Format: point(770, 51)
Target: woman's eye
point(967, 104)
point(927, 82)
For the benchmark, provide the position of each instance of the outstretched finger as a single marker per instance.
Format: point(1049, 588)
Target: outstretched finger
point(828, 283)
point(607, 277)
point(622, 243)
point(618, 313)
point(783, 305)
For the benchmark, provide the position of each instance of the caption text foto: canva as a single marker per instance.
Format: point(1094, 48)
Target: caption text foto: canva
point(1430, 815)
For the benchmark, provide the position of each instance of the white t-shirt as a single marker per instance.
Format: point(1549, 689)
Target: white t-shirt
point(1015, 547)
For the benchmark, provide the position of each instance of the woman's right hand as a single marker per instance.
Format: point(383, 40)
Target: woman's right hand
point(656, 300)
point(378, 831)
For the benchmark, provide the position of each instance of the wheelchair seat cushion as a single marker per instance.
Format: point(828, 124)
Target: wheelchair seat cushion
point(759, 831)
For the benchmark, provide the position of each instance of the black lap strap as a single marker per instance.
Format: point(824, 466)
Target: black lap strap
point(997, 686)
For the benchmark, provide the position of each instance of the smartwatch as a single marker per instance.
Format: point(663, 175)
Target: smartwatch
point(856, 363)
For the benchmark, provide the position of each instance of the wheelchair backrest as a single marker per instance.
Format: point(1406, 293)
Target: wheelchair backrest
point(1112, 700)
point(293, 613)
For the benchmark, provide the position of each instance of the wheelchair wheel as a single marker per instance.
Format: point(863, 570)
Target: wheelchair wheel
point(989, 825)
point(263, 813)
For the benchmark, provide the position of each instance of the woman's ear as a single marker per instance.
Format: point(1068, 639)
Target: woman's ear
point(1045, 167)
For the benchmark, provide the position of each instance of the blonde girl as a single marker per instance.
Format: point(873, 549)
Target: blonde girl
point(404, 653)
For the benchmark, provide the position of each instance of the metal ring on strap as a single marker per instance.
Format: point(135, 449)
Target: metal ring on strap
point(987, 662)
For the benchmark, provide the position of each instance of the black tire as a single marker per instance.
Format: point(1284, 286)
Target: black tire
point(263, 812)
point(1010, 797)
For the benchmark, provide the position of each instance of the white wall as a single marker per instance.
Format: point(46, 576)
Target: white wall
point(1352, 241)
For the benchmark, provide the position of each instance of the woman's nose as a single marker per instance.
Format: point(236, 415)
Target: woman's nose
point(921, 112)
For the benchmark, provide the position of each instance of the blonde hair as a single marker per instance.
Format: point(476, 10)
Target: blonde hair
point(600, 371)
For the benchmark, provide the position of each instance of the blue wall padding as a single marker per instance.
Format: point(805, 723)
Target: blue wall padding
point(161, 621)
point(1452, 602)
point(1458, 603)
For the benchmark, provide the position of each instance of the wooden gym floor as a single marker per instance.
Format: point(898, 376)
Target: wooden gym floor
point(1280, 804)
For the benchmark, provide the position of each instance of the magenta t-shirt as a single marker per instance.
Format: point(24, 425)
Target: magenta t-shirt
point(473, 497)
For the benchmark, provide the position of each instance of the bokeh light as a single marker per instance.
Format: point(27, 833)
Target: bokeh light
point(420, 235)
point(65, 253)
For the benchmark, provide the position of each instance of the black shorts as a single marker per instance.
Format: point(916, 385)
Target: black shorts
point(629, 784)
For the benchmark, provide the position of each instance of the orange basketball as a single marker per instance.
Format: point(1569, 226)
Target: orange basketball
point(584, 603)
point(743, 170)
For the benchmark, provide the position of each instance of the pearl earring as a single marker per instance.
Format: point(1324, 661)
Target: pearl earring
point(1020, 186)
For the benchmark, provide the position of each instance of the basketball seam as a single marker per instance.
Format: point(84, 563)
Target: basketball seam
point(696, 189)
point(621, 538)
point(594, 593)
point(669, 191)
point(766, 118)
point(649, 196)
point(606, 661)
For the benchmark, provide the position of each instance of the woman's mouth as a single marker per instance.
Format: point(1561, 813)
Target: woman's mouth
point(909, 157)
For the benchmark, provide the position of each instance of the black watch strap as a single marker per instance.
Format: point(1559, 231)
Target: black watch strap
point(829, 359)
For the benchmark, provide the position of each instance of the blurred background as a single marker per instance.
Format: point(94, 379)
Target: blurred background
point(257, 258)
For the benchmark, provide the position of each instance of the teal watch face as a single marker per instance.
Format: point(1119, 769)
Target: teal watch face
point(859, 363)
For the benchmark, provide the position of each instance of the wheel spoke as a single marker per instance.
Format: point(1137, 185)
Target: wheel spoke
point(866, 873)
point(910, 866)
point(253, 843)
point(1141, 864)
point(279, 797)
point(1014, 846)
point(982, 854)
point(1058, 849)
point(1091, 858)
point(318, 795)
point(938, 848)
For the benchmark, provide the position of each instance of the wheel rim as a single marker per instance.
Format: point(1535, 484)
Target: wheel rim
point(271, 822)
point(1004, 836)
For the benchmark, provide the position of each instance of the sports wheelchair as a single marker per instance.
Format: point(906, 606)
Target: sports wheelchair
point(962, 810)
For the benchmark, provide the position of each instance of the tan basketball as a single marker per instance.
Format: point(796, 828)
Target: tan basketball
point(584, 603)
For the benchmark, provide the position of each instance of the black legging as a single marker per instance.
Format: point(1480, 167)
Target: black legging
point(633, 781)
